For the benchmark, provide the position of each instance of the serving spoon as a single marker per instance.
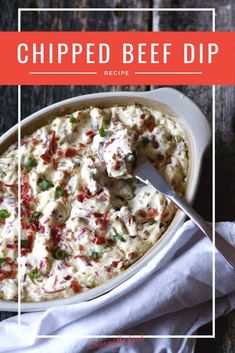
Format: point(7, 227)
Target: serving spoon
point(149, 175)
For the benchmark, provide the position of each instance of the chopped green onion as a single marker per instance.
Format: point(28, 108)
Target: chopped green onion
point(1, 260)
point(30, 164)
point(120, 237)
point(94, 255)
point(4, 214)
point(102, 132)
point(73, 120)
point(30, 220)
point(24, 243)
point(59, 192)
point(36, 214)
point(45, 184)
point(106, 123)
point(60, 254)
point(152, 221)
point(33, 274)
point(145, 141)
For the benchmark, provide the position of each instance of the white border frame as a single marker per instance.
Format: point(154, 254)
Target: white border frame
point(212, 10)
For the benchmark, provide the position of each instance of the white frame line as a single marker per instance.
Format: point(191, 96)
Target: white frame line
point(213, 176)
point(62, 72)
point(213, 210)
point(168, 72)
point(19, 208)
point(101, 9)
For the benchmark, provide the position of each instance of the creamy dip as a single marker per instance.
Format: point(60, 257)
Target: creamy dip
point(84, 218)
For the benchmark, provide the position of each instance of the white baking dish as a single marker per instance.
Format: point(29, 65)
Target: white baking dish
point(197, 133)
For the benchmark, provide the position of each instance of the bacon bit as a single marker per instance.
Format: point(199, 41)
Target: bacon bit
point(52, 148)
point(35, 141)
point(53, 143)
point(98, 215)
point(41, 228)
point(99, 221)
point(105, 221)
point(117, 166)
point(81, 247)
point(46, 157)
point(150, 126)
point(165, 215)
point(75, 286)
point(125, 264)
point(68, 277)
point(34, 226)
point(114, 156)
point(6, 274)
point(153, 213)
point(60, 153)
point(84, 258)
point(108, 268)
point(142, 213)
point(81, 145)
point(142, 117)
point(55, 230)
point(55, 164)
point(80, 197)
point(12, 246)
point(56, 235)
point(160, 157)
point(66, 194)
point(115, 263)
point(25, 190)
point(1, 199)
point(70, 152)
point(110, 141)
point(131, 255)
point(25, 143)
point(90, 134)
point(102, 221)
point(131, 219)
point(85, 194)
point(98, 240)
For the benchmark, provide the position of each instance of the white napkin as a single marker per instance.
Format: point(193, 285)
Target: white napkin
point(170, 296)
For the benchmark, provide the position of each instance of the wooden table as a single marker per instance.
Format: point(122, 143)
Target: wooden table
point(36, 97)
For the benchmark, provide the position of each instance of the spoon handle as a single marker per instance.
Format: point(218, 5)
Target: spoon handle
point(224, 248)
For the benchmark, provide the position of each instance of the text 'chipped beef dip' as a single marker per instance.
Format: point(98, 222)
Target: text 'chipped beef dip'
point(85, 219)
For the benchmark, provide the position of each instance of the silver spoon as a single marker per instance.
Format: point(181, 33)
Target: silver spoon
point(149, 175)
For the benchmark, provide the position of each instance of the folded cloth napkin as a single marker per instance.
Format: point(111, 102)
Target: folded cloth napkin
point(170, 296)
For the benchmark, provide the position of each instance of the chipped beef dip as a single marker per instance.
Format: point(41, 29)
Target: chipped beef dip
point(84, 218)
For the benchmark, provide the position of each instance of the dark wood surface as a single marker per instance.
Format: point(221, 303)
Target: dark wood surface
point(36, 97)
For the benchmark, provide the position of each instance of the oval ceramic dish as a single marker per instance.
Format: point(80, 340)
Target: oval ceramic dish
point(197, 133)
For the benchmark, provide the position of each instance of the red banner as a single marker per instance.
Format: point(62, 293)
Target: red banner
point(120, 58)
